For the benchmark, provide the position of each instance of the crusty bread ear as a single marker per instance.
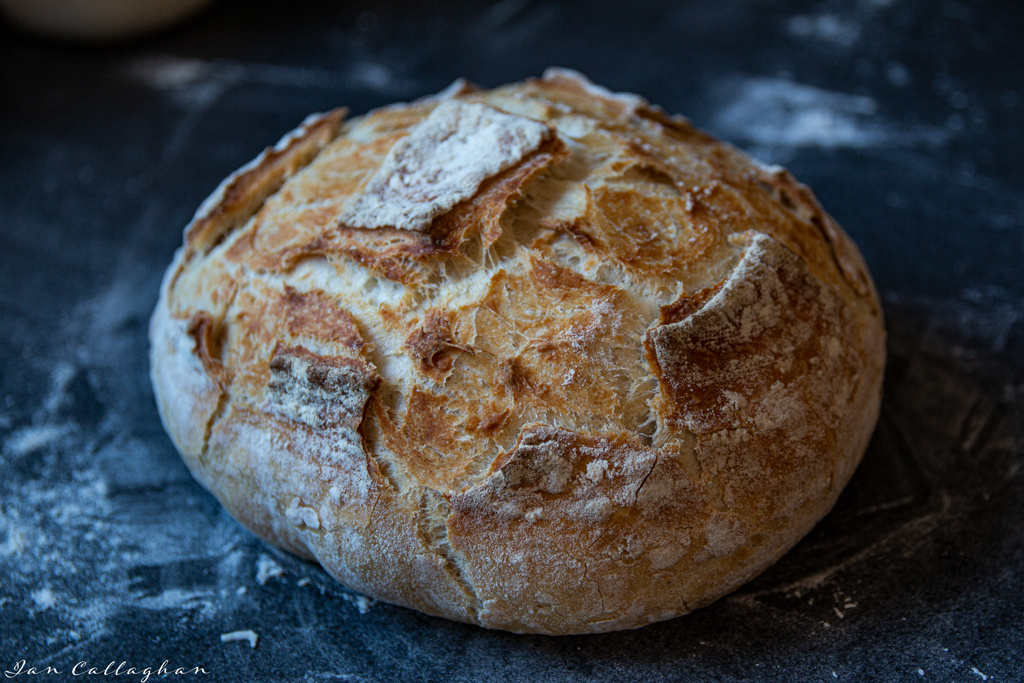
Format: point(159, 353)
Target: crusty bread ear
point(539, 358)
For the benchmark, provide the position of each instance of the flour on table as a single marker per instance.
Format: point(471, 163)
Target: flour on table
point(267, 569)
point(777, 112)
point(236, 636)
point(44, 598)
point(363, 604)
point(31, 439)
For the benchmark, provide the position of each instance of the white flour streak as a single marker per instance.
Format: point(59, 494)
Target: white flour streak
point(30, 439)
point(16, 540)
point(776, 112)
point(831, 28)
point(196, 85)
point(170, 73)
point(363, 604)
point(178, 598)
point(267, 569)
point(237, 636)
point(184, 78)
point(44, 599)
point(372, 75)
point(44, 431)
point(839, 29)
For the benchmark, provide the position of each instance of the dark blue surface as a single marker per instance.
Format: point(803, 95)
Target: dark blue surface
point(905, 116)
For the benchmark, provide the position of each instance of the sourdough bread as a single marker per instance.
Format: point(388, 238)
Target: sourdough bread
point(540, 358)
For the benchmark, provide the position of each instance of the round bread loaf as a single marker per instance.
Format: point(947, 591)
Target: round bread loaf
point(539, 358)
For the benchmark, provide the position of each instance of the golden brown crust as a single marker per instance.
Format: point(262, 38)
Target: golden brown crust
point(207, 346)
point(243, 193)
point(396, 254)
point(618, 378)
point(431, 344)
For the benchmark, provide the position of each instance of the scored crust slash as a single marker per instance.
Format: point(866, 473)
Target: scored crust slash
point(540, 358)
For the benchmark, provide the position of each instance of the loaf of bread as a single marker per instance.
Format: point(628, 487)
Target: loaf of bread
point(540, 358)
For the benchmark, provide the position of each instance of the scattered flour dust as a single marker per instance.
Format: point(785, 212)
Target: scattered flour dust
point(236, 636)
point(778, 112)
point(31, 439)
point(842, 28)
point(363, 603)
point(16, 540)
point(832, 28)
point(267, 569)
point(110, 523)
point(189, 80)
point(44, 598)
point(83, 539)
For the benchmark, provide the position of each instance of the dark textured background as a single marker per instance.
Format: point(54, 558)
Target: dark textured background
point(905, 116)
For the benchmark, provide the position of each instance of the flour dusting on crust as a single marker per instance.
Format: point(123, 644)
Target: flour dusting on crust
point(443, 161)
point(318, 391)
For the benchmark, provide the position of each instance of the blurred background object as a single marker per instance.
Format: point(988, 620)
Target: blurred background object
point(98, 20)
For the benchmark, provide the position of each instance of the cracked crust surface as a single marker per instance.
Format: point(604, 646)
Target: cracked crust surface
point(539, 358)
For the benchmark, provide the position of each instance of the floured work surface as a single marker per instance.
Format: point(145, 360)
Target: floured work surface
point(109, 551)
